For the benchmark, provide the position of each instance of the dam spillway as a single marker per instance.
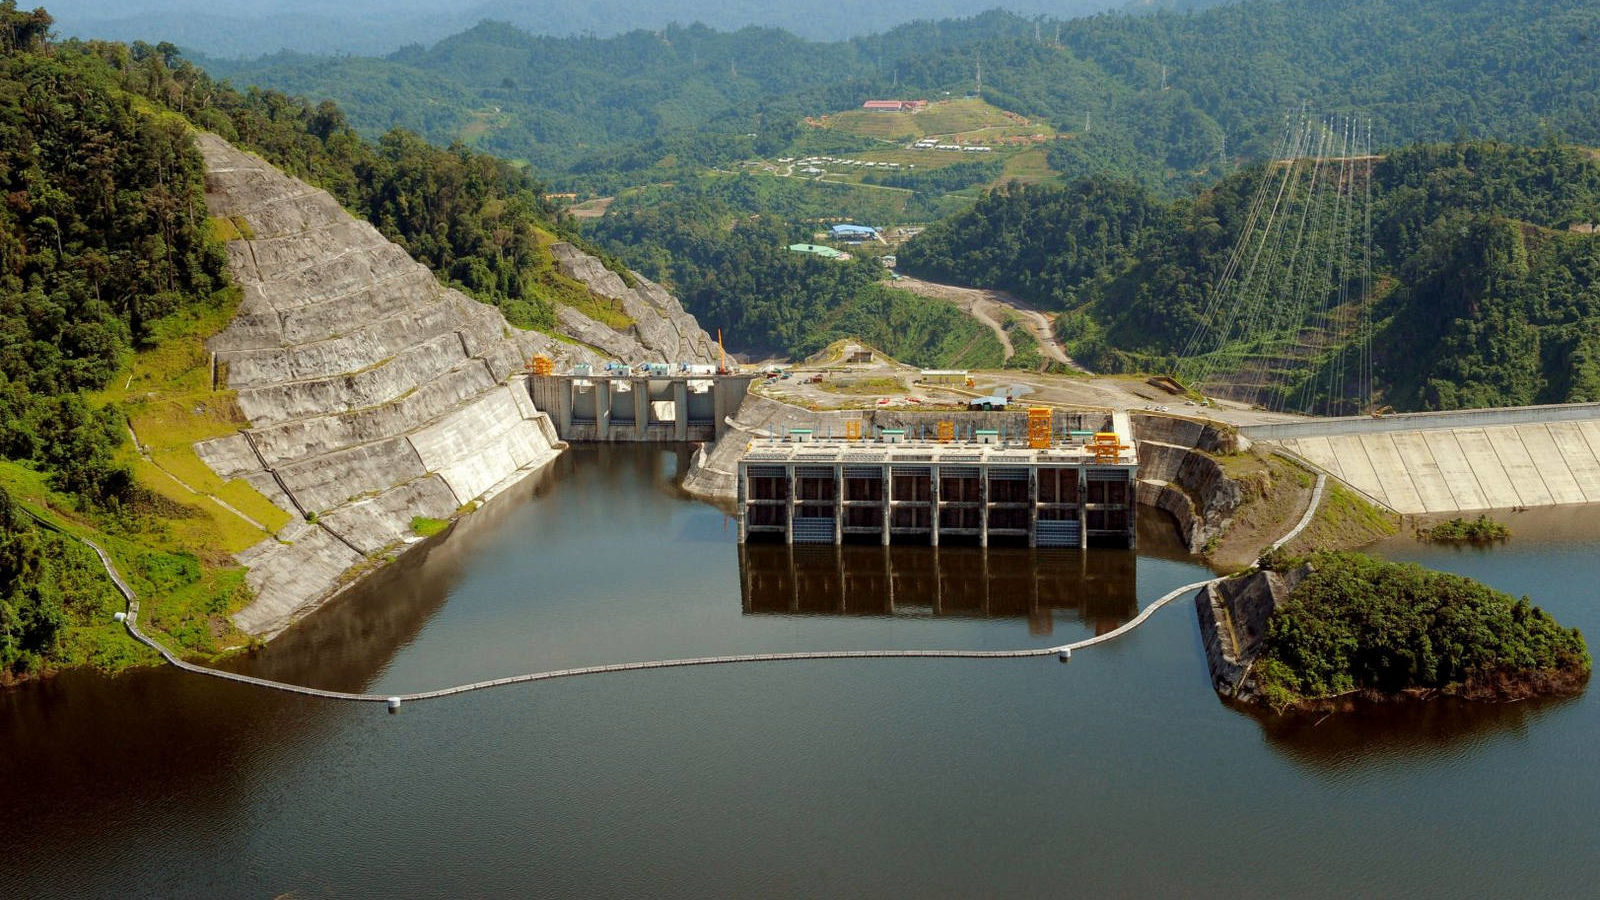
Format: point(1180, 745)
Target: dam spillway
point(659, 407)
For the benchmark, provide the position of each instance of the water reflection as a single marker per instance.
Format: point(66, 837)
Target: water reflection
point(1099, 586)
point(1397, 733)
point(349, 643)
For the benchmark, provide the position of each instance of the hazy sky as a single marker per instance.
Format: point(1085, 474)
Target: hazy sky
point(255, 27)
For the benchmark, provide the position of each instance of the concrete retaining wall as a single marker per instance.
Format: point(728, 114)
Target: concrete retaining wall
point(1233, 618)
point(1210, 496)
point(1178, 476)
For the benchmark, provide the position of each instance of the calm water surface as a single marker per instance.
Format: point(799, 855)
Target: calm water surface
point(1119, 773)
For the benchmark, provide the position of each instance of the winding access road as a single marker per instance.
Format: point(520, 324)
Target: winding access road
point(991, 308)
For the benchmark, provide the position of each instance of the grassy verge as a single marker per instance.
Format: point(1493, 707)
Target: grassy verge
point(1343, 521)
point(175, 542)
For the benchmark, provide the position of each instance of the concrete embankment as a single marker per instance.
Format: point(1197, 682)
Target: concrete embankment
point(1233, 616)
point(1448, 462)
point(374, 394)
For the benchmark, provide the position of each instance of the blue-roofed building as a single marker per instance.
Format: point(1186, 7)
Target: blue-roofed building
point(853, 233)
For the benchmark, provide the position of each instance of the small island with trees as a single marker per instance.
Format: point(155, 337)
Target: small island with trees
point(1482, 530)
point(1322, 633)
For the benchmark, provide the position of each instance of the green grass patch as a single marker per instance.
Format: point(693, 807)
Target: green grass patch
point(1025, 355)
point(1343, 520)
point(166, 393)
point(186, 592)
point(230, 228)
point(1031, 166)
point(426, 527)
point(965, 117)
point(557, 289)
point(863, 386)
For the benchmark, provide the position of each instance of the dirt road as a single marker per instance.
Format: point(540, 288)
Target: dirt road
point(991, 308)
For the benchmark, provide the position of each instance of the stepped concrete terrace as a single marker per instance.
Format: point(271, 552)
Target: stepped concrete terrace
point(373, 393)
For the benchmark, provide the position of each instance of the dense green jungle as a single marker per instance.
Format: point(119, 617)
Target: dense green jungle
point(1158, 122)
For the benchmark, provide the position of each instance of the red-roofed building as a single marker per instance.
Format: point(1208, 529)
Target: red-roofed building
point(895, 105)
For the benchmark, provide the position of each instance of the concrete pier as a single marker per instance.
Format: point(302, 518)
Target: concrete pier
point(890, 491)
point(636, 408)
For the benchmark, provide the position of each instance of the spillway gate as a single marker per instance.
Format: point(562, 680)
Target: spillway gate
point(633, 408)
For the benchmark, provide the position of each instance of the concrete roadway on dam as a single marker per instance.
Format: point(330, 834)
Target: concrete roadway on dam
point(1438, 463)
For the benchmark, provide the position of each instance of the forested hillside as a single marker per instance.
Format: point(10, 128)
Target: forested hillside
point(734, 272)
point(1488, 271)
point(249, 27)
point(1148, 107)
point(1169, 99)
point(103, 233)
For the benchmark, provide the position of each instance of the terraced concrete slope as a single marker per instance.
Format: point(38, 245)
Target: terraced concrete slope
point(374, 394)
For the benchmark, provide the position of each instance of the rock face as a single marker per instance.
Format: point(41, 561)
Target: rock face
point(1233, 620)
point(1174, 476)
point(373, 393)
point(662, 331)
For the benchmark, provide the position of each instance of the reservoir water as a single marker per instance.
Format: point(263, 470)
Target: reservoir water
point(1118, 773)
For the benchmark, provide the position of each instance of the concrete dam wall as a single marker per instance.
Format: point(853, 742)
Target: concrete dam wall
point(373, 393)
point(1462, 461)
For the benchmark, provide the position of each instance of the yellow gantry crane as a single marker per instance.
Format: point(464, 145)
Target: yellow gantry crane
point(1039, 427)
point(1106, 447)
